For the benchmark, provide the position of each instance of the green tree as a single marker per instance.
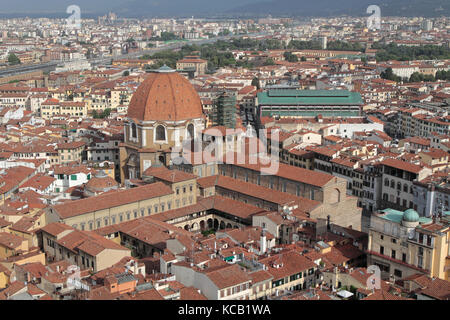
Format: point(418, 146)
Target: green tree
point(126, 73)
point(303, 58)
point(301, 45)
point(225, 32)
point(344, 46)
point(416, 77)
point(13, 59)
point(393, 51)
point(106, 113)
point(288, 56)
point(269, 62)
point(443, 75)
point(255, 82)
point(166, 36)
point(419, 77)
point(145, 57)
point(388, 74)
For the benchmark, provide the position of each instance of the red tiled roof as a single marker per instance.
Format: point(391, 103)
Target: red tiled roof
point(285, 171)
point(167, 97)
point(292, 263)
point(228, 276)
point(402, 165)
point(264, 193)
point(111, 199)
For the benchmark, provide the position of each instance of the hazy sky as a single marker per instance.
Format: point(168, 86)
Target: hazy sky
point(139, 8)
point(158, 6)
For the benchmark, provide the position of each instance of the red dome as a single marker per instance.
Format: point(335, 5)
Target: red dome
point(165, 96)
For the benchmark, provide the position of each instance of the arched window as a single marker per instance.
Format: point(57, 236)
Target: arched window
point(160, 133)
point(386, 182)
point(338, 195)
point(133, 130)
point(190, 131)
point(392, 184)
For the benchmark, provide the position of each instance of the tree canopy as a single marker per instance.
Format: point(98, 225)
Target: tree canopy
point(288, 56)
point(13, 59)
point(393, 51)
point(388, 74)
point(255, 82)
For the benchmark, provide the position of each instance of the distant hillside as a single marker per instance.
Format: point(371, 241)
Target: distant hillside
point(325, 8)
point(124, 8)
point(57, 7)
point(168, 8)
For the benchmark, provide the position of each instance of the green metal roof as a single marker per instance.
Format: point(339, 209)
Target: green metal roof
point(300, 113)
point(411, 215)
point(397, 216)
point(309, 97)
point(424, 220)
point(392, 215)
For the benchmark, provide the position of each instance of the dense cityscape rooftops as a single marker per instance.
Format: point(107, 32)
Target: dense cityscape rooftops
point(224, 159)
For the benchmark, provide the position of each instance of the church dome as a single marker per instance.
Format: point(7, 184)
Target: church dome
point(165, 95)
point(410, 215)
point(100, 183)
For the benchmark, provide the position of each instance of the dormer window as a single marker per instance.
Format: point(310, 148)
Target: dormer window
point(133, 131)
point(160, 133)
point(190, 131)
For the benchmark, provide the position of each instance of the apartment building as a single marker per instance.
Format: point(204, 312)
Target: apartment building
point(432, 195)
point(82, 248)
point(420, 122)
point(71, 152)
point(70, 176)
point(398, 179)
point(11, 245)
point(290, 271)
point(227, 282)
point(402, 244)
point(367, 185)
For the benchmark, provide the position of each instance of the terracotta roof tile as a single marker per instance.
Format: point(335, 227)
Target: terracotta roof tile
point(111, 199)
point(165, 96)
